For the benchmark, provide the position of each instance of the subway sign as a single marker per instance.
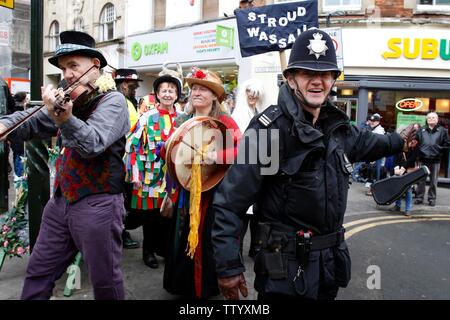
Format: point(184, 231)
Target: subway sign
point(150, 49)
point(7, 3)
point(418, 48)
point(409, 104)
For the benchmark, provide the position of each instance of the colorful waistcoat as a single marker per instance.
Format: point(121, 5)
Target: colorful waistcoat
point(144, 166)
point(78, 177)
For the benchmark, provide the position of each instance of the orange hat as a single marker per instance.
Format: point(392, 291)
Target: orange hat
point(208, 79)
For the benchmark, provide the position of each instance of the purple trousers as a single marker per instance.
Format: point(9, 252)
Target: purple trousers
point(93, 226)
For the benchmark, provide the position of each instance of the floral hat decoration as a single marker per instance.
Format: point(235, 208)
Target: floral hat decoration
point(208, 79)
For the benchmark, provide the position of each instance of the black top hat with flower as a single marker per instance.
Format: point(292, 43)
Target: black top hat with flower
point(126, 74)
point(77, 43)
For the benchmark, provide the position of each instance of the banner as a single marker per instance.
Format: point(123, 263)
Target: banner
point(274, 27)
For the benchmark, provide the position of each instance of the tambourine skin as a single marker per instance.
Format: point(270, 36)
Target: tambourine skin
point(193, 135)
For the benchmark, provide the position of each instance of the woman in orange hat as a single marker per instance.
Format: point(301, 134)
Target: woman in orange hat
point(189, 266)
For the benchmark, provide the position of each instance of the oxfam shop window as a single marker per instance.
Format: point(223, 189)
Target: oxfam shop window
point(400, 108)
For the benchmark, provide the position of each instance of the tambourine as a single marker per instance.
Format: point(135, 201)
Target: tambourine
point(197, 135)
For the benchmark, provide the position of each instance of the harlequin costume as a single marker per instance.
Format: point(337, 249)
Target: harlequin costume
point(147, 174)
point(190, 271)
point(144, 166)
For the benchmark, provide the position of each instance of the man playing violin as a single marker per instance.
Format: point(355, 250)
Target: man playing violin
point(85, 213)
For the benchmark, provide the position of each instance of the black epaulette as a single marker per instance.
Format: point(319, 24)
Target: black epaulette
point(268, 116)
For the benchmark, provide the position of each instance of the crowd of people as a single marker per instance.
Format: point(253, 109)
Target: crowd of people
point(117, 172)
point(428, 147)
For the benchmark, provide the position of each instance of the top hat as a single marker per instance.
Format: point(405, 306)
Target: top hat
point(77, 43)
point(208, 79)
point(313, 50)
point(126, 74)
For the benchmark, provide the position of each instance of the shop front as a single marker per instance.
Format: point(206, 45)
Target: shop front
point(400, 73)
point(212, 45)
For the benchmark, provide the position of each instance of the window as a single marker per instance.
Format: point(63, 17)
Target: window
point(107, 22)
point(139, 16)
point(341, 5)
point(186, 12)
point(78, 24)
point(433, 5)
point(53, 36)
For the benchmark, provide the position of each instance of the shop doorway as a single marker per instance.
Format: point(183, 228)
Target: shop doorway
point(349, 106)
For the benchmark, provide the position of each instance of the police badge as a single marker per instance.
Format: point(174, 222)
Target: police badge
point(317, 46)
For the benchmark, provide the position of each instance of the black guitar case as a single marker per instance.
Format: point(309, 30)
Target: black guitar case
point(388, 190)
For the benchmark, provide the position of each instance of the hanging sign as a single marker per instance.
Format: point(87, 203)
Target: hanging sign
point(409, 104)
point(225, 36)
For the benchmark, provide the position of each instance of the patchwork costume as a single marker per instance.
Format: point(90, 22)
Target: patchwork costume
point(144, 166)
point(147, 179)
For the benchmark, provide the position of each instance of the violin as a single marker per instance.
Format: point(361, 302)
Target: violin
point(78, 92)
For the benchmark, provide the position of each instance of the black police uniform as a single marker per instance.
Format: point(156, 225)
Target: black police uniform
point(302, 206)
point(309, 193)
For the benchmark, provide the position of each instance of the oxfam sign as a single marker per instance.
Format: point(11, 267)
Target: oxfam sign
point(137, 49)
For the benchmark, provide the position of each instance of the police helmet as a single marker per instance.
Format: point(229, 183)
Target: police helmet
point(313, 50)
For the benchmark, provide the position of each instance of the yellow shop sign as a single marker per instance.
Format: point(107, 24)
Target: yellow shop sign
point(7, 3)
point(424, 48)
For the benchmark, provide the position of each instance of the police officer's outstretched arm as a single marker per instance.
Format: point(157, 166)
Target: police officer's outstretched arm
point(235, 194)
point(369, 146)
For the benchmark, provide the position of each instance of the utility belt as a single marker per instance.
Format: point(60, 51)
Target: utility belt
point(284, 248)
point(280, 237)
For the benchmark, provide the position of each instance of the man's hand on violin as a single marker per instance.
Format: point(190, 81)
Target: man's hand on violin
point(58, 106)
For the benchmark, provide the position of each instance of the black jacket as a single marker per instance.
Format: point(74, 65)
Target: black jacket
point(308, 190)
point(432, 143)
point(407, 160)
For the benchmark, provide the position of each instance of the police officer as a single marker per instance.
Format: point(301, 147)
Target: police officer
point(302, 203)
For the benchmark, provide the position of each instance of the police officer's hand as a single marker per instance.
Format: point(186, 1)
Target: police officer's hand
point(52, 99)
point(408, 134)
point(229, 286)
point(2, 129)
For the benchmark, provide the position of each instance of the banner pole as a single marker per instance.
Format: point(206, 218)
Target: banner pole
point(283, 62)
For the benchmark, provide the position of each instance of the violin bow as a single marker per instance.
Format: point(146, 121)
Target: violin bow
point(28, 116)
